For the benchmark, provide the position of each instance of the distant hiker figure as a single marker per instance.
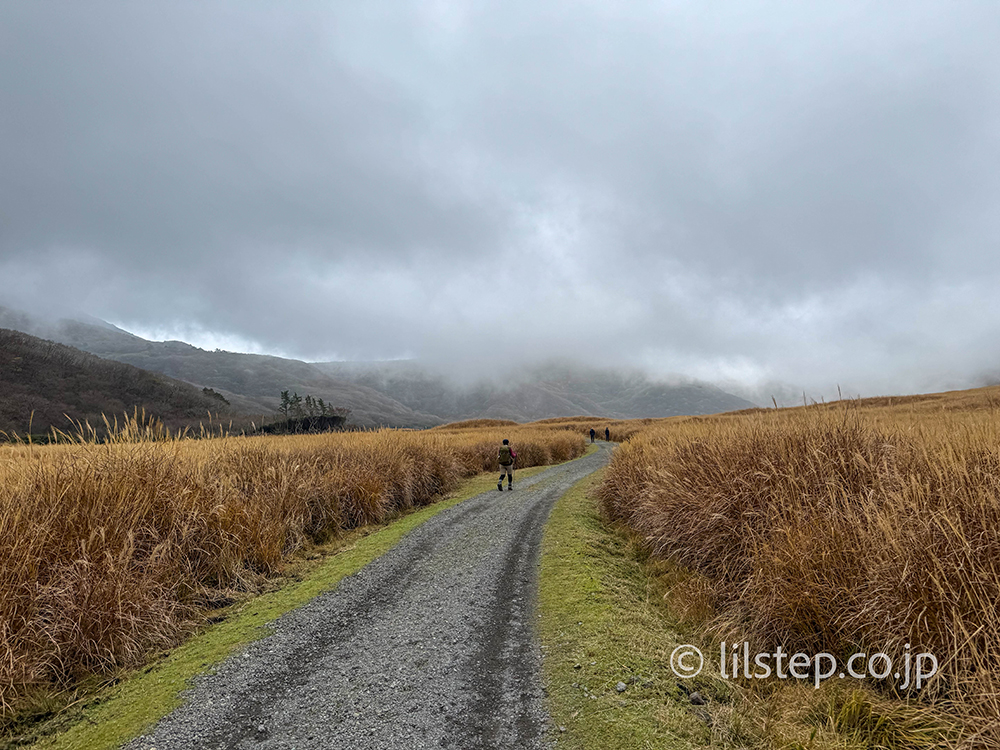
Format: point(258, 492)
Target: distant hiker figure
point(506, 458)
point(592, 433)
point(607, 434)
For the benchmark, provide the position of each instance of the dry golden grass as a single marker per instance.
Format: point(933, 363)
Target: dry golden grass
point(109, 551)
point(621, 429)
point(856, 526)
point(476, 423)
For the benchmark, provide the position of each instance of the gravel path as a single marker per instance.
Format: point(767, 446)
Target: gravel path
point(431, 645)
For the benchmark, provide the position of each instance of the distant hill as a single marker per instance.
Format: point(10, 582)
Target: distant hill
point(401, 394)
point(251, 382)
point(538, 393)
point(42, 383)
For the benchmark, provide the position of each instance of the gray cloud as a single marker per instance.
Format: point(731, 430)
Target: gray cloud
point(749, 192)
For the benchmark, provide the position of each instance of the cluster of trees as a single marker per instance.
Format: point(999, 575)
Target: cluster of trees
point(306, 414)
point(294, 406)
point(212, 393)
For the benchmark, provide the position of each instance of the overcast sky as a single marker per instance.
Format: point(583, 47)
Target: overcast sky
point(801, 191)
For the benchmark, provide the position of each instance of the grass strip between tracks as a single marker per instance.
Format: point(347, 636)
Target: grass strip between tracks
point(602, 623)
point(115, 715)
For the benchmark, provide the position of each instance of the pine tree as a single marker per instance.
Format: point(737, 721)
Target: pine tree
point(286, 404)
point(296, 405)
point(322, 407)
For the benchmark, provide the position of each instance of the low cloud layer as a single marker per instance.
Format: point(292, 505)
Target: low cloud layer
point(750, 192)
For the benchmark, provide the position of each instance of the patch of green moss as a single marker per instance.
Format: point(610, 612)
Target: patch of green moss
point(598, 628)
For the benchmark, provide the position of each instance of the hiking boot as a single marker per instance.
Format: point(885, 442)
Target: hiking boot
point(500, 486)
point(510, 486)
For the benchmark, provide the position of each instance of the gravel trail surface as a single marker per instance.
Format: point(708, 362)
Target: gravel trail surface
point(431, 645)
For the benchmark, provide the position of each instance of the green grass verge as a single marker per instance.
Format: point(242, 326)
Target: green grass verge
point(602, 623)
point(117, 714)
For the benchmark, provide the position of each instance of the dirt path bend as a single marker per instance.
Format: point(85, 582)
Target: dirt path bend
point(431, 645)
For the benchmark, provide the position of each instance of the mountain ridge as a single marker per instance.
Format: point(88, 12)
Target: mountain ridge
point(392, 393)
point(540, 392)
point(45, 385)
point(251, 382)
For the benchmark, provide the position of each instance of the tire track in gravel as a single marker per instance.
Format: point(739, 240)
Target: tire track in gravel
point(432, 645)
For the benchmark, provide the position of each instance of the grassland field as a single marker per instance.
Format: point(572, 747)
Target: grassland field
point(866, 526)
point(860, 525)
point(111, 552)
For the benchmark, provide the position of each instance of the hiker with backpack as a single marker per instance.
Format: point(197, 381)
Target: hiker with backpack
point(607, 434)
point(592, 433)
point(505, 457)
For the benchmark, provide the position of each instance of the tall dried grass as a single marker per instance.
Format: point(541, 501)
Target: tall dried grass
point(857, 527)
point(621, 429)
point(476, 423)
point(111, 550)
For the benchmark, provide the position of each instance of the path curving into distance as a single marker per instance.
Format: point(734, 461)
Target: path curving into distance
point(432, 645)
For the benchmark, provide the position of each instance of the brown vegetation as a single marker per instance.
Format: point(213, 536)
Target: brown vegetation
point(108, 551)
point(621, 429)
point(475, 424)
point(856, 526)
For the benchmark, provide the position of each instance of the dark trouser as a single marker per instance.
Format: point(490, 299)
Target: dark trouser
point(507, 471)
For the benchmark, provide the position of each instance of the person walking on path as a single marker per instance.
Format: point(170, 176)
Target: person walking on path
point(505, 457)
point(607, 434)
point(592, 433)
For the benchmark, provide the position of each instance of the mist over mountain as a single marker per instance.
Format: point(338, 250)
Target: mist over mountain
point(397, 393)
point(538, 392)
point(740, 193)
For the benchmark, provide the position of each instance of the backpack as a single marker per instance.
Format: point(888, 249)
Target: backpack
point(507, 455)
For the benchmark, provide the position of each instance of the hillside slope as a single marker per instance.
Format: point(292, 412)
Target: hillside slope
point(401, 394)
point(539, 393)
point(251, 382)
point(42, 383)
